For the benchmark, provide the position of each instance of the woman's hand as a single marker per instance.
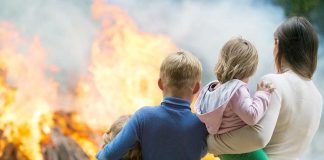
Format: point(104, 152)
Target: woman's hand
point(265, 86)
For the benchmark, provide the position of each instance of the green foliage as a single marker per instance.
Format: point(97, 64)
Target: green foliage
point(298, 7)
point(311, 9)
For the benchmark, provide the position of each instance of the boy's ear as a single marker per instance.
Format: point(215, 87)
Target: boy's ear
point(197, 87)
point(160, 84)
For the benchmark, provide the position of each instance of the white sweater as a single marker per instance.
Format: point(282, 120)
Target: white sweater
point(288, 127)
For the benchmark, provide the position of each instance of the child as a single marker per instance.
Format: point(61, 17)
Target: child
point(133, 154)
point(169, 131)
point(225, 104)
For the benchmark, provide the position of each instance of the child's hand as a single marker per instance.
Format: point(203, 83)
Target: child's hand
point(265, 86)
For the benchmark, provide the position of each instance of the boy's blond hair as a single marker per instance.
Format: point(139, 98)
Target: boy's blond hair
point(180, 70)
point(238, 59)
point(115, 128)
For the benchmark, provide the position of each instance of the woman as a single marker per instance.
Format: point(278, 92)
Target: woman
point(294, 112)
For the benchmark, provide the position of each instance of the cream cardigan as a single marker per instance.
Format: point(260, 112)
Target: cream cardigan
point(288, 127)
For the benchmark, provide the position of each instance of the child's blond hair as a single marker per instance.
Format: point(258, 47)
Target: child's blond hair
point(180, 70)
point(238, 59)
point(115, 128)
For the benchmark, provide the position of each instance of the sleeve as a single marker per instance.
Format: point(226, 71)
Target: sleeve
point(123, 142)
point(248, 138)
point(249, 109)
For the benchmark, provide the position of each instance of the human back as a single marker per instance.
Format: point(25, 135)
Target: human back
point(296, 45)
point(172, 130)
point(299, 117)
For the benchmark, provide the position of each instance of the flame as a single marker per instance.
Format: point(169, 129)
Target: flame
point(27, 95)
point(124, 68)
point(80, 132)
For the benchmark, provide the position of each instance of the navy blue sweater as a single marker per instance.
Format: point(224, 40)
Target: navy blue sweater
point(166, 132)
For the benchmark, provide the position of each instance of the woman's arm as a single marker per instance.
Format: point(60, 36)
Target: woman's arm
point(248, 138)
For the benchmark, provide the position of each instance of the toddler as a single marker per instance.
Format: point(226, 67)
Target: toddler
point(226, 104)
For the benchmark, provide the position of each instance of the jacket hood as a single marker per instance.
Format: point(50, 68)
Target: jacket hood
point(212, 101)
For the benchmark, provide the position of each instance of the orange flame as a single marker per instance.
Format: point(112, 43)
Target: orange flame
point(27, 96)
point(124, 68)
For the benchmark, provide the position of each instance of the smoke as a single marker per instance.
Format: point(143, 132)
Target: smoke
point(203, 27)
point(66, 30)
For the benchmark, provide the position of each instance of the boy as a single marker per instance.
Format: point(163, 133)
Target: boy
point(169, 131)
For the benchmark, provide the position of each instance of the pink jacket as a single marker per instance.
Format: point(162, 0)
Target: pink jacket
point(229, 106)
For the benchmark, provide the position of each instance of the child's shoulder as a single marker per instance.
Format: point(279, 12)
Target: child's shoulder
point(146, 113)
point(147, 110)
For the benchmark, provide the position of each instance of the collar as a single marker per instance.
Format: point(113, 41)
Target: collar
point(176, 103)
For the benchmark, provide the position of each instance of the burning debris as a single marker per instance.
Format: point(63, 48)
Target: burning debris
point(62, 148)
point(60, 143)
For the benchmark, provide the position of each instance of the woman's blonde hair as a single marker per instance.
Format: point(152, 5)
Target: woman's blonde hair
point(116, 127)
point(238, 59)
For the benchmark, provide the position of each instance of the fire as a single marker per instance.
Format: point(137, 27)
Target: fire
point(79, 132)
point(122, 77)
point(124, 68)
point(27, 95)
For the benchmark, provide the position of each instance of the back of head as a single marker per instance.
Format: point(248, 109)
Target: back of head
point(180, 70)
point(298, 45)
point(115, 128)
point(238, 59)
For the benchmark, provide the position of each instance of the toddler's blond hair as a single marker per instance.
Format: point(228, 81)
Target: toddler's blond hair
point(238, 59)
point(116, 127)
point(180, 70)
